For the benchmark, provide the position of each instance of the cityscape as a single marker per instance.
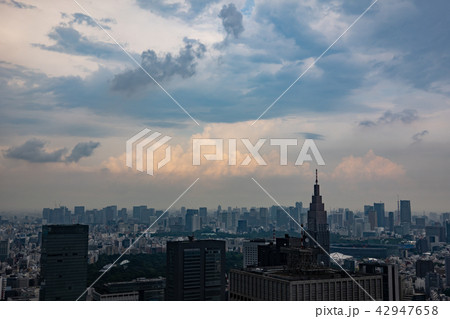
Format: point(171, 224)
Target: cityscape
point(224, 151)
point(267, 253)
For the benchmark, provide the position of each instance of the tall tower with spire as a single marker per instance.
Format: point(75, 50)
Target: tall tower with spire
point(318, 226)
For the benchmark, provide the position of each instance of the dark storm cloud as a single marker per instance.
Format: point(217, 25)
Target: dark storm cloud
point(417, 138)
point(82, 150)
point(17, 4)
point(161, 68)
point(34, 151)
point(231, 20)
point(406, 116)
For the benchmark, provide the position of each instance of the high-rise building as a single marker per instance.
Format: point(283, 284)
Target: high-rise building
point(379, 210)
point(250, 251)
point(192, 220)
point(242, 226)
point(391, 221)
point(447, 231)
point(405, 211)
point(433, 281)
point(63, 262)
point(372, 219)
point(423, 267)
point(447, 270)
point(203, 212)
point(318, 227)
point(195, 270)
point(4, 250)
point(391, 278)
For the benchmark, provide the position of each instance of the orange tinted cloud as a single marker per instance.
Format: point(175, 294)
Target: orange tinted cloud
point(370, 167)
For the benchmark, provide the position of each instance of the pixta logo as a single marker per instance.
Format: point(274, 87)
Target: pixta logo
point(144, 141)
point(253, 149)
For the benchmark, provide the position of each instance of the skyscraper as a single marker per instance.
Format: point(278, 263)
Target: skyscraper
point(63, 262)
point(391, 221)
point(405, 211)
point(423, 267)
point(379, 209)
point(192, 220)
point(250, 251)
point(4, 250)
point(447, 270)
point(195, 270)
point(318, 226)
point(203, 211)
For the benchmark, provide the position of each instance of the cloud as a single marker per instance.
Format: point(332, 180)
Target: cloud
point(80, 18)
point(417, 138)
point(34, 151)
point(188, 10)
point(406, 116)
point(314, 136)
point(83, 149)
point(370, 167)
point(231, 20)
point(17, 4)
point(161, 68)
point(70, 41)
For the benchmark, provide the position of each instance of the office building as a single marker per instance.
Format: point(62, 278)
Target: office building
point(423, 267)
point(274, 283)
point(432, 282)
point(405, 211)
point(250, 251)
point(195, 270)
point(447, 232)
point(373, 221)
point(391, 278)
point(4, 250)
point(447, 270)
point(141, 289)
point(379, 210)
point(192, 220)
point(203, 212)
point(63, 262)
point(391, 221)
point(318, 227)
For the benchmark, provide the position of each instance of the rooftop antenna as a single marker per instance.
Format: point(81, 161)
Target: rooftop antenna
point(316, 177)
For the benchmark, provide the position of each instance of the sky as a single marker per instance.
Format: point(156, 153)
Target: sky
point(73, 91)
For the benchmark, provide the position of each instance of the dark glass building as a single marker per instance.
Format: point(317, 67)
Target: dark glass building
point(379, 210)
point(195, 270)
point(405, 211)
point(424, 267)
point(63, 262)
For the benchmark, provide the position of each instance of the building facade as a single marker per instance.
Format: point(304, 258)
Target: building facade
point(195, 270)
point(318, 227)
point(274, 284)
point(64, 259)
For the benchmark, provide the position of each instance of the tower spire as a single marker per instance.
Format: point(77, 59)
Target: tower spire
point(316, 178)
